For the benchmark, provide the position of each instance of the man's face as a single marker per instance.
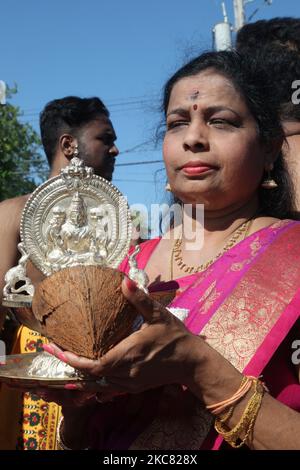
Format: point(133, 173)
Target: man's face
point(96, 145)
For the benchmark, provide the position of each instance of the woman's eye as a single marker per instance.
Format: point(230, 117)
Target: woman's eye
point(173, 124)
point(219, 122)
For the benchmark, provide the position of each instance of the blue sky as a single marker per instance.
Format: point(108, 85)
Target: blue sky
point(123, 52)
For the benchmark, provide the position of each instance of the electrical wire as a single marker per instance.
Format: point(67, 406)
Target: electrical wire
point(139, 163)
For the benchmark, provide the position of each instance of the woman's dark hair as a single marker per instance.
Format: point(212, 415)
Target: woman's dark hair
point(250, 79)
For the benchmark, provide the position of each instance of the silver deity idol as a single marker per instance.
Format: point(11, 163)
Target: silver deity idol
point(80, 223)
point(76, 218)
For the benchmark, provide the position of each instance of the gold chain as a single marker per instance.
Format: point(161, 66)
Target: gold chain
point(177, 251)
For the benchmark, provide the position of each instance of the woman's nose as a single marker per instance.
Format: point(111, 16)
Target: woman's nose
point(195, 138)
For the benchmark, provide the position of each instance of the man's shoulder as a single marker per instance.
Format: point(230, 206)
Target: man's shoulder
point(13, 205)
point(11, 210)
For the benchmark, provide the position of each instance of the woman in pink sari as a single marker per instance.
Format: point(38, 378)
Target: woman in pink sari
point(191, 384)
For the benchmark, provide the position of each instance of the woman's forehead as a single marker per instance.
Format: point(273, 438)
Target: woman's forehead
point(206, 84)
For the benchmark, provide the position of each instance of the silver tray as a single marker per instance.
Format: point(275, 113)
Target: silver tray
point(17, 371)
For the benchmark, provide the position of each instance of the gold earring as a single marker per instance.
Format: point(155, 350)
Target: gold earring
point(168, 187)
point(268, 182)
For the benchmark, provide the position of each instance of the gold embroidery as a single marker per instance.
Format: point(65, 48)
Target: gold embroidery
point(236, 330)
point(184, 429)
point(255, 246)
point(208, 298)
point(242, 322)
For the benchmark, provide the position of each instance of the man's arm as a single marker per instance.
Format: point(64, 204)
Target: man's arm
point(10, 217)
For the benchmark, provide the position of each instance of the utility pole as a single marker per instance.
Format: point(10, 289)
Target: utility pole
point(222, 31)
point(239, 14)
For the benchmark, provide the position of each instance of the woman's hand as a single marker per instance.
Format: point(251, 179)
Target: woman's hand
point(66, 398)
point(161, 352)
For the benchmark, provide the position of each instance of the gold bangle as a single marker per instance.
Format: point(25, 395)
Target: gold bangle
point(247, 421)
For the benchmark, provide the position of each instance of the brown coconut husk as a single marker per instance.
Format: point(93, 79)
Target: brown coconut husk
point(82, 309)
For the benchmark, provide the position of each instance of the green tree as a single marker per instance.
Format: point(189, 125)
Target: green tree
point(22, 164)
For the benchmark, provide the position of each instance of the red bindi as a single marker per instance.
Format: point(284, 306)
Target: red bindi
point(195, 107)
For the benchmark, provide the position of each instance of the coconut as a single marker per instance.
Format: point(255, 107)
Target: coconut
point(82, 309)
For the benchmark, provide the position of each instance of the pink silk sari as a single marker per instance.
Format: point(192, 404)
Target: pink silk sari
point(247, 305)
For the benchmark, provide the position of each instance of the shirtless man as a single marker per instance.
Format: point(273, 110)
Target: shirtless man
point(64, 123)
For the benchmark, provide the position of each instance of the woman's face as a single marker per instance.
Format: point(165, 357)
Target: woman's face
point(212, 149)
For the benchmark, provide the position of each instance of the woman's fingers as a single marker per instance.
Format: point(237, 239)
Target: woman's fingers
point(150, 309)
point(78, 362)
point(51, 348)
point(85, 365)
point(118, 361)
point(102, 385)
point(101, 390)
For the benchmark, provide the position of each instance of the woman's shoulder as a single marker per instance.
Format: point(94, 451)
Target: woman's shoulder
point(144, 244)
point(270, 222)
point(262, 222)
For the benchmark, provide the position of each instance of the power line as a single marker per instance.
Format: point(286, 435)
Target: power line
point(34, 170)
point(132, 98)
point(138, 151)
point(114, 111)
point(34, 118)
point(133, 149)
point(139, 163)
point(131, 102)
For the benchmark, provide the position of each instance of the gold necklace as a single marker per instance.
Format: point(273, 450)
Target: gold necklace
point(177, 251)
